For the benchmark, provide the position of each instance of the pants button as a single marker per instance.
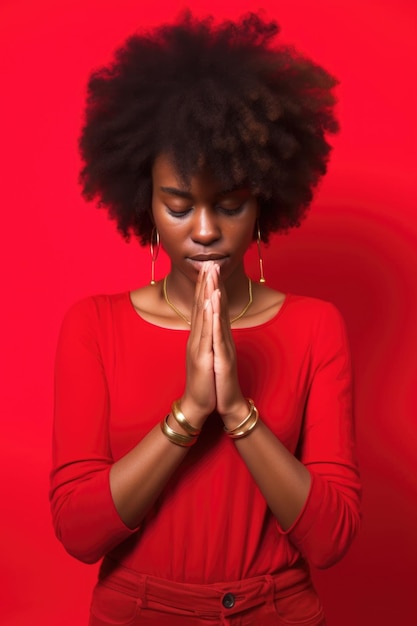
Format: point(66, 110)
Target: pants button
point(228, 600)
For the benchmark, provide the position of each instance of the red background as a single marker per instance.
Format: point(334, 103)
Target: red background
point(358, 248)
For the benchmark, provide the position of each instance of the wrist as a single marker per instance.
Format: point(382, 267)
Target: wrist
point(176, 437)
point(234, 416)
point(246, 426)
point(172, 423)
point(195, 415)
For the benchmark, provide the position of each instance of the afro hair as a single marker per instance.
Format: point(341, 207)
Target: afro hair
point(254, 111)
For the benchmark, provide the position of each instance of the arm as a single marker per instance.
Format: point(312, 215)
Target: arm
point(84, 516)
point(315, 497)
point(331, 517)
point(97, 503)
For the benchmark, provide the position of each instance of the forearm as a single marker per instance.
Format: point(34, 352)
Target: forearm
point(282, 479)
point(97, 503)
point(320, 510)
point(138, 478)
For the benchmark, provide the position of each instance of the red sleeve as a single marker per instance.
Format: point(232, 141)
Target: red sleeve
point(84, 516)
point(331, 516)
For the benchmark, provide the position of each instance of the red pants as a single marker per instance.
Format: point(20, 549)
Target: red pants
point(127, 598)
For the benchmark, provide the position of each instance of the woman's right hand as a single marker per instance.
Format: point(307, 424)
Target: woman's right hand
point(199, 399)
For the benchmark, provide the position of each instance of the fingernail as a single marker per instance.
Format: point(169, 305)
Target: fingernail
point(206, 303)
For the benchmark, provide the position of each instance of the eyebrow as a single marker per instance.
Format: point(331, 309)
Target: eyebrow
point(173, 191)
point(177, 192)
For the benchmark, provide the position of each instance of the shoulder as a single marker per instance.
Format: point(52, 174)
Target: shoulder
point(88, 326)
point(325, 329)
point(94, 310)
point(319, 322)
point(314, 309)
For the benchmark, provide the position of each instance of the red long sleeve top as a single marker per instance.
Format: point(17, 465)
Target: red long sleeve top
point(116, 377)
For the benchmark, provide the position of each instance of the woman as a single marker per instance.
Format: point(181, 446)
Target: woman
point(203, 437)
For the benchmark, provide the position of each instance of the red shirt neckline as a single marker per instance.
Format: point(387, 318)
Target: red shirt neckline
point(271, 320)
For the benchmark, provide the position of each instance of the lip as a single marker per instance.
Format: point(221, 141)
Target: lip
point(207, 257)
point(198, 260)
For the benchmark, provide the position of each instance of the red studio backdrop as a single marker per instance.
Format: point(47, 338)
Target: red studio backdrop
point(358, 248)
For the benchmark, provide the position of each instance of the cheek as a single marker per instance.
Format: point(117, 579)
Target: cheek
point(242, 235)
point(171, 236)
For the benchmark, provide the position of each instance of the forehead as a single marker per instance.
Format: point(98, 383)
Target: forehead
point(165, 174)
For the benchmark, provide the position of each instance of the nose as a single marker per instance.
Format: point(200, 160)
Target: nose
point(205, 227)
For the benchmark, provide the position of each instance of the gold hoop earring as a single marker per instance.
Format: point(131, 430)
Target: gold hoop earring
point(154, 246)
point(261, 262)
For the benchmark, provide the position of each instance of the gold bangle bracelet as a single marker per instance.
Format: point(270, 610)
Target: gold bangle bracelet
point(243, 423)
point(180, 440)
point(181, 420)
point(243, 432)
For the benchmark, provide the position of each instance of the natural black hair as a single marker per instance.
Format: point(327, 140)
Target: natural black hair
point(227, 95)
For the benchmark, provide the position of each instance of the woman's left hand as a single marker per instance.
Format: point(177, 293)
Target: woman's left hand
point(231, 405)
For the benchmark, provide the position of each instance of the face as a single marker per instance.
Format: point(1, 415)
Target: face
point(201, 222)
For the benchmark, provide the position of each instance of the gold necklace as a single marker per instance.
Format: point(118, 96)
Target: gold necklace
point(182, 316)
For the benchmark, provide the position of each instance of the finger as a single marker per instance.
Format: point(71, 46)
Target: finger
point(215, 300)
point(224, 305)
point(210, 286)
point(224, 318)
point(224, 350)
point(218, 334)
point(198, 302)
point(206, 337)
point(200, 291)
point(216, 275)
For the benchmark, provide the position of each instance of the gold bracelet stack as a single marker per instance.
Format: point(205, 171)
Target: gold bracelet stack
point(179, 417)
point(247, 425)
point(243, 429)
point(179, 439)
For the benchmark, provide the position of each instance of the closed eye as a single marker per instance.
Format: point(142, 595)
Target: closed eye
point(231, 210)
point(178, 212)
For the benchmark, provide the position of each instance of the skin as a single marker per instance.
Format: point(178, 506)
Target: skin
point(203, 219)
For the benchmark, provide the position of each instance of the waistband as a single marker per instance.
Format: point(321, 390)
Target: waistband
point(234, 596)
